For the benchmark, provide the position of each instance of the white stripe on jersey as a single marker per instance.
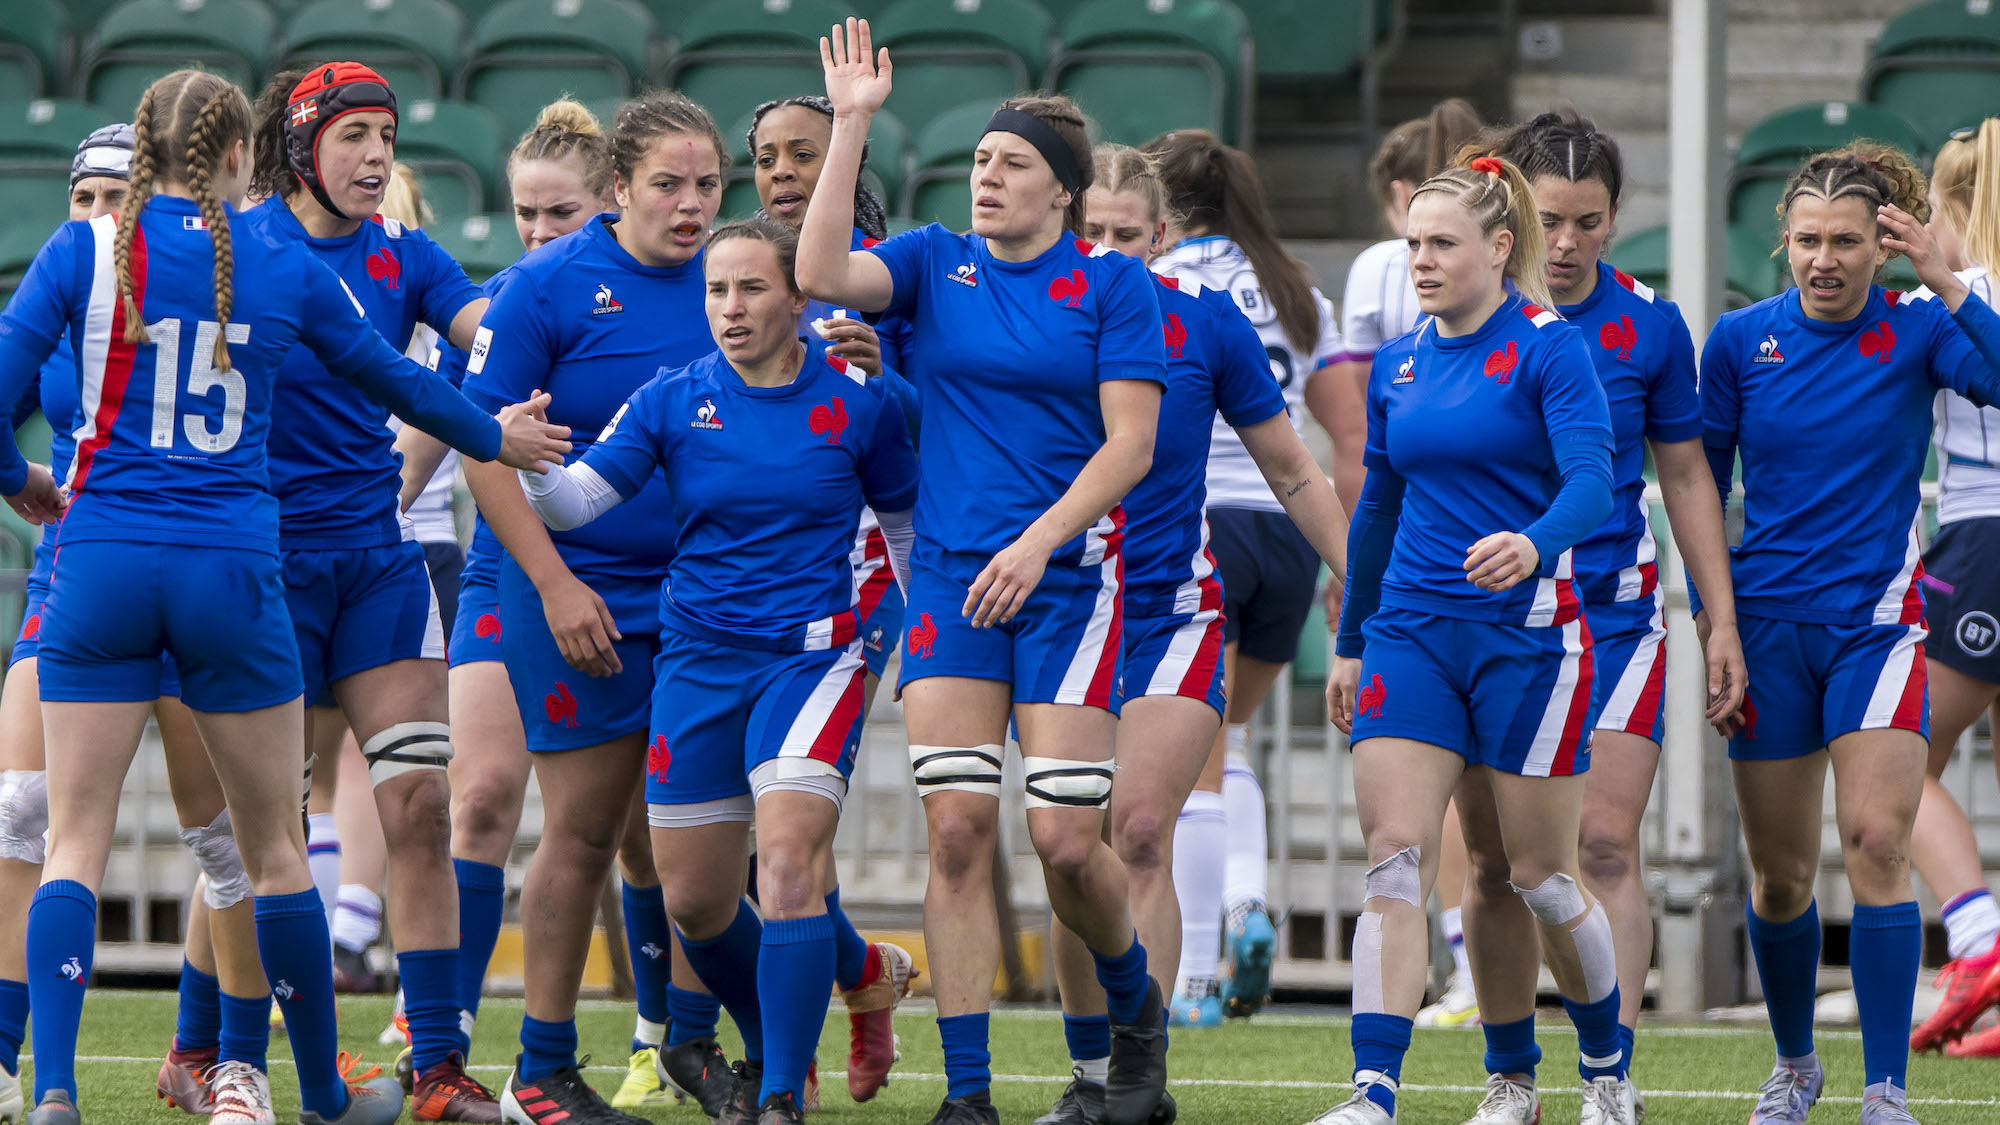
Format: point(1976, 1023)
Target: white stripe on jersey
point(1968, 439)
point(96, 333)
point(1187, 597)
point(1543, 613)
point(1889, 609)
point(1543, 317)
point(1631, 581)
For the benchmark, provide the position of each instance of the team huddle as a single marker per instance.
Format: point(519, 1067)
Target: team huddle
point(1054, 464)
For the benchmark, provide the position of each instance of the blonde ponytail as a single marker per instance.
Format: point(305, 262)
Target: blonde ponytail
point(1497, 196)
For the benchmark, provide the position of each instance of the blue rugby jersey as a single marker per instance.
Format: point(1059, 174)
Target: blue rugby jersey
point(1645, 359)
point(333, 464)
point(168, 448)
point(767, 485)
point(1006, 358)
point(1469, 424)
point(1832, 421)
point(1215, 364)
point(585, 321)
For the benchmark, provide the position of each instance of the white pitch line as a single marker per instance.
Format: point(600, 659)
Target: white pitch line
point(1282, 1084)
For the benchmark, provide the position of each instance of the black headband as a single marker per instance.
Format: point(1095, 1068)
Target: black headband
point(1035, 131)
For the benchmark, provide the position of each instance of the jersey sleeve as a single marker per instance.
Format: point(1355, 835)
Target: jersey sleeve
point(1375, 451)
point(1245, 393)
point(1965, 349)
point(1673, 408)
point(1361, 311)
point(889, 461)
point(514, 349)
point(906, 256)
point(1721, 401)
point(1129, 343)
point(352, 350)
point(1571, 395)
point(629, 449)
point(446, 290)
point(30, 400)
point(35, 319)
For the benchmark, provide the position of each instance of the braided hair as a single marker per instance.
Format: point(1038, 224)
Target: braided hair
point(1566, 146)
point(869, 214)
point(1877, 174)
point(1495, 193)
point(187, 121)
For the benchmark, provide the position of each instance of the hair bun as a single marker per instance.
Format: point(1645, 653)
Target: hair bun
point(1488, 165)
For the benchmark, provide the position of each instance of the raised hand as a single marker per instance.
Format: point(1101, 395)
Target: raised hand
point(857, 75)
point(527, 439)
point(1908, 237)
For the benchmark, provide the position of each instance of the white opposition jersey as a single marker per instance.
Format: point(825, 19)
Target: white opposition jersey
point(431, 516)
point(1381, 301)
point(1968, 441)
point(1218, 263)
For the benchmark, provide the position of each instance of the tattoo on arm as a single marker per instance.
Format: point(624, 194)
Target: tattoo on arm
point(1294, 490)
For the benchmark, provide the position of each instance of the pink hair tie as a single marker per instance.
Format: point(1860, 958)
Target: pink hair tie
point(1488, 165)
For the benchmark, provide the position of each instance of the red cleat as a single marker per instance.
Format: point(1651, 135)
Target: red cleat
point(1978, 1045)
point(871, 1012)
point(183, 1080)
point(1970, 985)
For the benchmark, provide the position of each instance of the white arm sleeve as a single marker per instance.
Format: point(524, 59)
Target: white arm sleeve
point(570, 496)
point(899, 531)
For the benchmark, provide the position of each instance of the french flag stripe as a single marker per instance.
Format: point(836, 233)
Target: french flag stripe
point(826, 719)
point(106, 361)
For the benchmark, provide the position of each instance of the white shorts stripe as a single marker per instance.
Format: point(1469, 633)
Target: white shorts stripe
point(1632, 679)
point(819, 707)
point(1181, 651)
point(1083, 665)
point(1555, 717)
point(433, 625)
point(1887, 697)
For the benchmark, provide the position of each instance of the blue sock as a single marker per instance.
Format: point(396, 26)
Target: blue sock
point(546, 1045)
point(1089, 1037)
point(968, 1065)
point(62, 935)
point(794, 982)
point(13, 1023)
point(1627, 1038)
point(1380, 1042)
point(1787, 956)
point(1600, 1049)
point(694, 1015)
point(650, 943)
point(482, 893)
point(1124, 980)
point(298, 959)
point(1511, 1047)
point(198, 1019)
point(246, 1029)
point(850, 952)
point(1886, 944)
point(727, 964)
point(430, 1003)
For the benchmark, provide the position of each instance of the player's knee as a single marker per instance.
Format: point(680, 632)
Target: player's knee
point(1395, 877)
point(1879, 846)
point(1782, 896)
point(701, 906)
point(1144, 840)
point(420, 814)
point(961, 846)
point(787, 880)
point(1489, 873)
point(1607, 860)
point(24, 815)
point(1555, 900)
point(1066, 851)
point(484, 817)
point(228, 879)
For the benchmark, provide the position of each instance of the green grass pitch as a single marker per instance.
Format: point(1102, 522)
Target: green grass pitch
point(1281, 1068)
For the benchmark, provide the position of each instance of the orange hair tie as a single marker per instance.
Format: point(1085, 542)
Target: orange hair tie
point(1486, 164)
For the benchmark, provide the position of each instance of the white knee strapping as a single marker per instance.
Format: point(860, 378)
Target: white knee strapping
point(724, 810)
point(405, 748)
point(1059, 783)
point(214, 848)
point(1367, 963)
point(1398, 877)
point(1595, 953)
point(798, 775)
point(1556, 902)
point(24, 815)
point(967, 769)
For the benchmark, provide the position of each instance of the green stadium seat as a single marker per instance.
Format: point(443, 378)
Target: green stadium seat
point(454, 147)
point(949, 54)
point(1934, 60)
point(1774, 148)
point(33, 41)
point(1748, 270)
point(1143, 67)
point(86, 16)
point(940, 185)
point(35, 198)
point(140, 41)
point(525, 54)
point(46, 130)
point(412, 43)
point(732, 56)
point(483, 244)
point(1316, 38)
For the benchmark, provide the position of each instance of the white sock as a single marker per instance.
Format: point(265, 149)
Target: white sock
point(1199, 839)
point(358, 922)
point(1243, 804)
point(1971, 923)
point(1454, 936)
point(649, 1033)
point(1093, 1070)
point(323, 859)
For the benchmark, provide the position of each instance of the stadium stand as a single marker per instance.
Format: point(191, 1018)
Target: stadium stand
point(415, 44)
point(526, 53)
point(136, 42)
point(1774, 148)
point(950, 53)
point(1933, 60)
point(939, 188)
point(483, 244)
point(34, 41)
point(1142, 68)
point(455, 148)
point(731, 57)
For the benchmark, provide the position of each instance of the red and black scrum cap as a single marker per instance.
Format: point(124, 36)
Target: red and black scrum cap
point(325, 95)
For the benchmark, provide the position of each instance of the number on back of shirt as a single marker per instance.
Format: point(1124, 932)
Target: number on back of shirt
point(202, 378)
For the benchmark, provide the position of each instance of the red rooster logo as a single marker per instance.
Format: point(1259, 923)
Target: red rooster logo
point(1372, 696)
point(1620, 337)
point(922, 636)
point(1879, 341)
point(383, 267)
point(658, 758)
point(1500, 365)
point(1176, 334)
point(487, 627)
point(560, 705)
point(32, 627)
point(828, 420)
point(1071, 288)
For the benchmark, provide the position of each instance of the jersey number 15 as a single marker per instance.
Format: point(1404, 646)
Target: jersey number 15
point(202, 378)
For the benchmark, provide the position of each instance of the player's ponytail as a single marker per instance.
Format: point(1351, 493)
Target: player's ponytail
point(145, 169)
point(1497, 196)
point(1875, 173)
point(1967, 178)
point(1215, 189)
point(222, 120)
point(1566, 146)
point(1422, 147)
point(272, 176)
point(567, 132)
